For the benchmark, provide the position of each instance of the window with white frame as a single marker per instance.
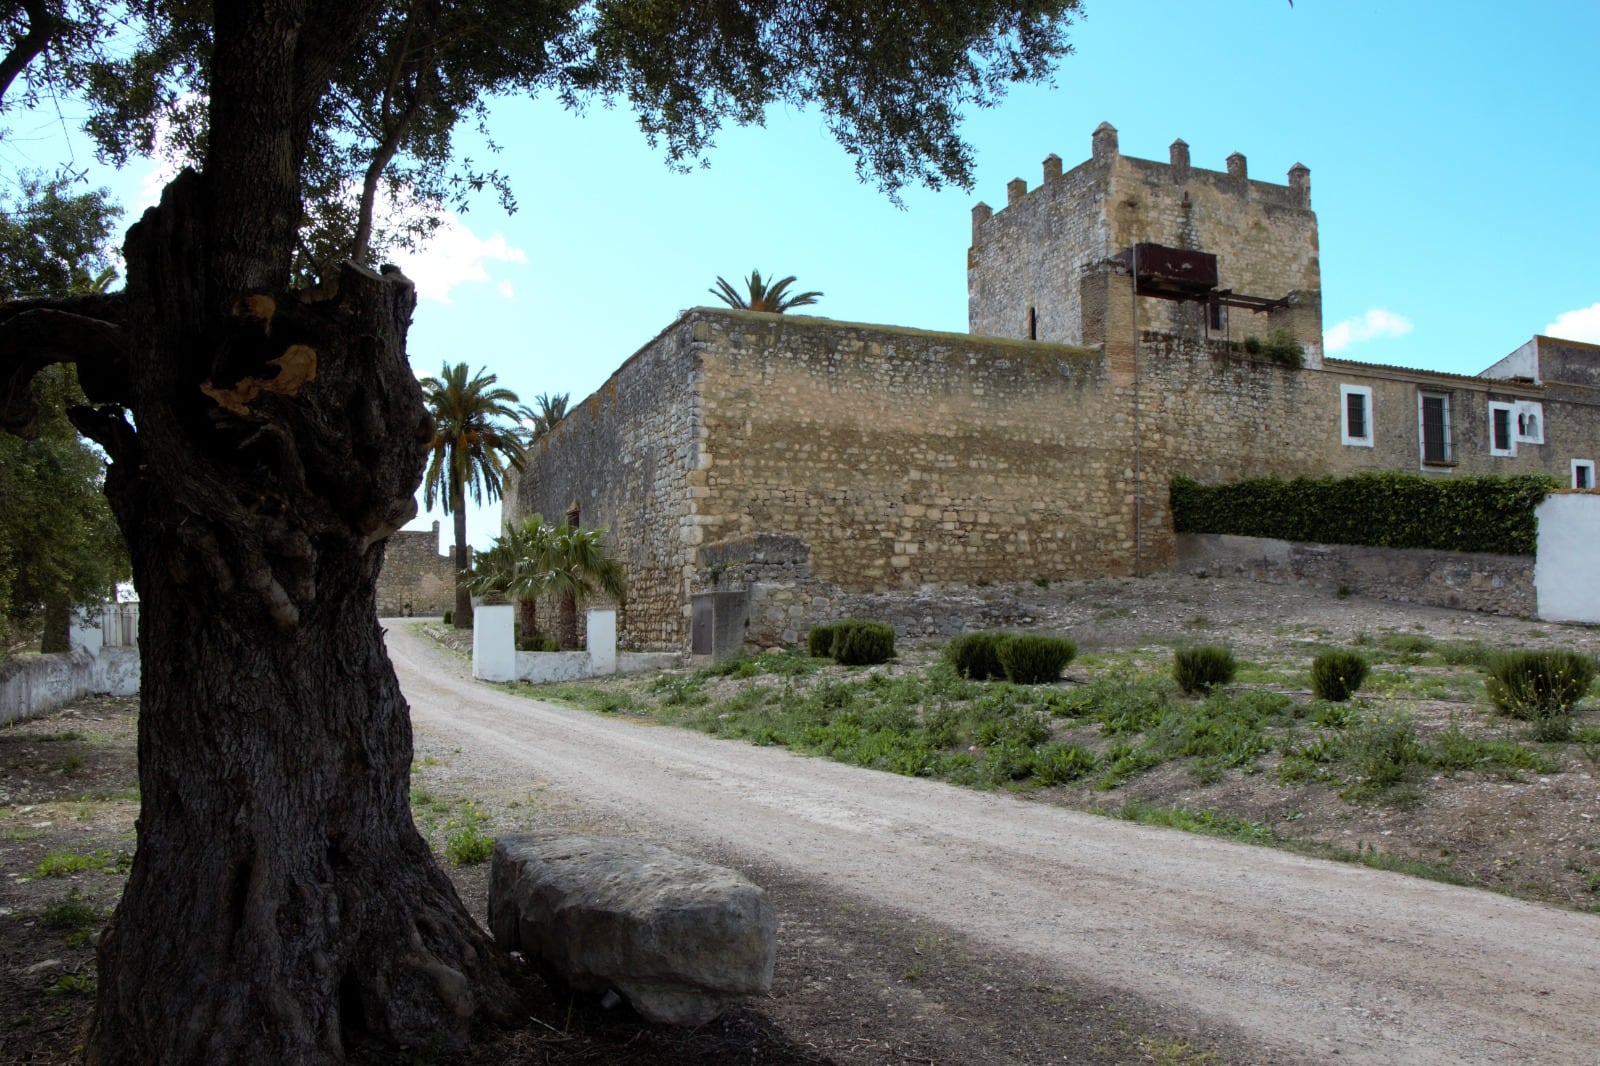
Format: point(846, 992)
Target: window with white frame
point(1355, 415)
point(1433, 428)
point(1502, 428)
point(1583, 473)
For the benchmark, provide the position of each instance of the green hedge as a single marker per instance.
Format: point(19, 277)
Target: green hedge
point(852, 642)
point(1380, 510)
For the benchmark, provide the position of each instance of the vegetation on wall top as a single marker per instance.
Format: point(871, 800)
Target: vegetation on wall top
point(1380, 510)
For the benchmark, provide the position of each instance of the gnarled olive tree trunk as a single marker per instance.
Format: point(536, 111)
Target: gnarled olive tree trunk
point(263, 446)
point(281, 902)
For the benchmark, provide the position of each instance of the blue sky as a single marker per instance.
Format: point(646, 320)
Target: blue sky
point(1455, 171)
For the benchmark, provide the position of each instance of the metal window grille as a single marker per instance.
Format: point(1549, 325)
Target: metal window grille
point(1435, 429)
point(1502, 429)
point(1355, 406)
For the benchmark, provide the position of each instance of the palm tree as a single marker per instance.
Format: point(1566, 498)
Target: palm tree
point(763, 297)
point(518, 565)
point(543, 415)
point(580, 567)
point(475, 438)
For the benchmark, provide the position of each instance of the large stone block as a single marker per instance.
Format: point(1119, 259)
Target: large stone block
point(680, 939)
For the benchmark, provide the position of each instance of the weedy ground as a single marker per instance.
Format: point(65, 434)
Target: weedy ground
point(1417, 773)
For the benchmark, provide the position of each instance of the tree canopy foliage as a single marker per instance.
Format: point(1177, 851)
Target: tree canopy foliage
point(54, 241)
point(59, 544)
point(891, 78)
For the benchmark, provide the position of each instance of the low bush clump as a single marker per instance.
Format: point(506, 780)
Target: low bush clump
point(976, 655)
point(1031, 659)
point(1336, 675)
point(1535, 685)
point(1198, 670)
point(449, 618)
point(468, 846)
point(819, 642)
point(1381, 753)
point(852, 642)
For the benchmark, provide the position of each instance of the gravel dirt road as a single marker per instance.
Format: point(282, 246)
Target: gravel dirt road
point(1312, 961)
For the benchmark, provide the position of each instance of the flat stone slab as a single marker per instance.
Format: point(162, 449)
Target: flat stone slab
point(681, 940)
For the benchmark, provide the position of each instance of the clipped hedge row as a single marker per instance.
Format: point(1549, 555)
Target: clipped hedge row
point(1379, 510)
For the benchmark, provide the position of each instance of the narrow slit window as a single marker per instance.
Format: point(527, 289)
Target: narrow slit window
point(1583, 473)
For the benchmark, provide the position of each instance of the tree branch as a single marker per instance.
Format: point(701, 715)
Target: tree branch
point(42, 27)
point(37, 334)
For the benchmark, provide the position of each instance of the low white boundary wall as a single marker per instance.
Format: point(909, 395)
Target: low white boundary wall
point(104, 661)
point(1566, 572)
point(495, 656)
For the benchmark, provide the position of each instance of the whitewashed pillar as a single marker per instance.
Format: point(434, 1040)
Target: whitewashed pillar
point(602, 641)
point(1565, 579)
point(494, 643)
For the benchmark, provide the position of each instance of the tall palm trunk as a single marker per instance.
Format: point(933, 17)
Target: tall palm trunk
point(462, 619)
point(569, 621)
point(527, 618)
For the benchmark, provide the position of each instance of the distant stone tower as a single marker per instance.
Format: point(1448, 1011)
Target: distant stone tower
point(1028, 260)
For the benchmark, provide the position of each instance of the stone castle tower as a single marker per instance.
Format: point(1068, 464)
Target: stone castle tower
point(1029, 264)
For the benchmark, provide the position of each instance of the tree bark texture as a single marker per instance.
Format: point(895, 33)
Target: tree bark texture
point(281, 901)
point(568, 620)
point(527, 619)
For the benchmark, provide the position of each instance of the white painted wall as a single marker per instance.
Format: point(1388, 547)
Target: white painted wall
point(104, 661)
point(495, 658)
point(494, 643)
point(1566, 571)
point(602, 640)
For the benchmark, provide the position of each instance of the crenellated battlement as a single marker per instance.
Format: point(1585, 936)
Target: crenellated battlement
point(1026, 258)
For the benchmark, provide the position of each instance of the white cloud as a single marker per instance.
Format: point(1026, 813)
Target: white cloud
point(1580, 325)
point(1375, 323)
point(505, 289)
point(454, 256)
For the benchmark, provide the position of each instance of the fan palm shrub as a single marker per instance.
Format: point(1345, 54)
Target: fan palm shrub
point(760, 296)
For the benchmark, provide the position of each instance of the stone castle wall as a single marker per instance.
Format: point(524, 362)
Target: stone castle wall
point(416, 579)
point(1029, 255)
point(632, 459)
point(826, 467)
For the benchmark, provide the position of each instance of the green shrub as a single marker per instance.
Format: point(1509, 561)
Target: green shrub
point(1198, 670)
point(1279, 347)
point(468, 846)
point(1031, 659)
point(976, 655)
point(1381, 753)
point(861, 643)
point(1535, 685)
point(1057, 764)
point(1335, 675)
point(538, 642)
point(819, 642)
point(449, 618)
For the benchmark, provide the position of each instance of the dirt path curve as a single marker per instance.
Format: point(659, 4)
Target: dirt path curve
point(1317, 961)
